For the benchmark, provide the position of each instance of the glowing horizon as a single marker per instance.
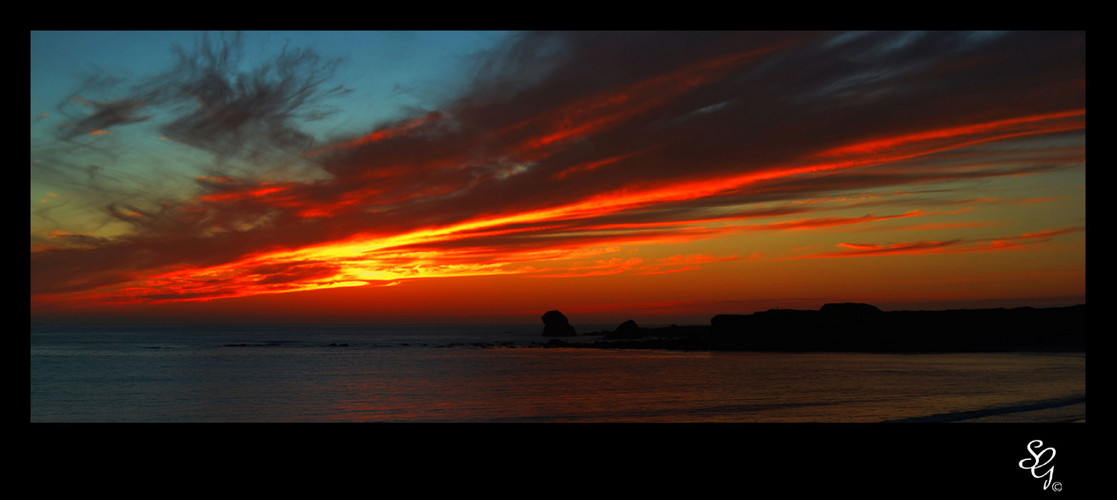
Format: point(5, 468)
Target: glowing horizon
point(737, 171)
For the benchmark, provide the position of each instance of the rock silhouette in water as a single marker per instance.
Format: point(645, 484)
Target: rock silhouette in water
point(555, 324)
point(627, 330)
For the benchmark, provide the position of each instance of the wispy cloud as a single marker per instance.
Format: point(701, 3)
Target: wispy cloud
point(565, 143)
point(948, 246)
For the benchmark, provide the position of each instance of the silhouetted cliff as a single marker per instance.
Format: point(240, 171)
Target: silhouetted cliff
point(862, 327)
point(853, 327)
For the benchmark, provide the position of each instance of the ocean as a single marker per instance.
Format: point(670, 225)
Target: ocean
point(503, 373)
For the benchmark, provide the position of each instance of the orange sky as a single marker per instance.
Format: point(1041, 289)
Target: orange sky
point(731, 172)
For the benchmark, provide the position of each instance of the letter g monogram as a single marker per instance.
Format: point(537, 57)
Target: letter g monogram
point(1038, 461)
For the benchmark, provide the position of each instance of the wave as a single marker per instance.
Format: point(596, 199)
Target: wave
point(1000, 413)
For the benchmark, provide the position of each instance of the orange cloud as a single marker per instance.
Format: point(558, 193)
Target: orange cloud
point(382, 134)
point(551, 175)
point(952, 137)
point(948, 246)
point(592, 165)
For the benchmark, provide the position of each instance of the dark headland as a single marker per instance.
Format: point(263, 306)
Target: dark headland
point(852, 327)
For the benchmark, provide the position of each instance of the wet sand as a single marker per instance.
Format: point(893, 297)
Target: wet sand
point(1075, 413)
point(1070, 410)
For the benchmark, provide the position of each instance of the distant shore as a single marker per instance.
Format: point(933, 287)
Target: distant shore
point(854, 327)
point(1070, 410)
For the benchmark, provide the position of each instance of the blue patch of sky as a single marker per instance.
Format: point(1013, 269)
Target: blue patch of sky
point(390, 74)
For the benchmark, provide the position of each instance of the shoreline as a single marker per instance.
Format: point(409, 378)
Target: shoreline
point(1068, 410)
point(697, 345)
point(850, 327)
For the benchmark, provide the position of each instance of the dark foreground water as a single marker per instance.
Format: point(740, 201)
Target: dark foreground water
point(493, 374)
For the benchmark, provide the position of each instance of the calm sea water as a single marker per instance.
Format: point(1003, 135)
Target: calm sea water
point(492, 374)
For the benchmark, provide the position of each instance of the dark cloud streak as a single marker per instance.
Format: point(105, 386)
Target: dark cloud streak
point(551, 102)
point(237, 114)
point(212, 102)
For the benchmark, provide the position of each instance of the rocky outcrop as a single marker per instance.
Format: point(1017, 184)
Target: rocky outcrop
point(555, 324)
point(627, 330)
point(849, 309)
point(863, 327)
point(846, 327)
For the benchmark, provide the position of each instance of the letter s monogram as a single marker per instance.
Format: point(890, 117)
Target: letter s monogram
point(1036, 456)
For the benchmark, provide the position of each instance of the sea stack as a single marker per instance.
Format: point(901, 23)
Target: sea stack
point(555, 324)
point(627, 330)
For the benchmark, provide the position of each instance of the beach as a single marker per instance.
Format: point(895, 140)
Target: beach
point(503, 374)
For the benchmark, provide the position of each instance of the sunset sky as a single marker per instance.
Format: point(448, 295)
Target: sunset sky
point(490, 176)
